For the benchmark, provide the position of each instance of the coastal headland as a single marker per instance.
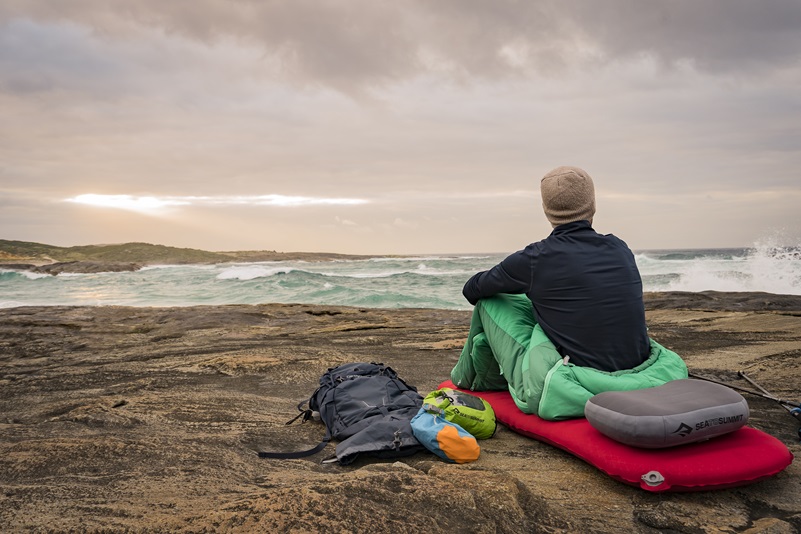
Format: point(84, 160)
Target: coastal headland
point(149, 419)
point(51, 259)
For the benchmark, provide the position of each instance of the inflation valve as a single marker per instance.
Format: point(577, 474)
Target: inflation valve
point(653, 478)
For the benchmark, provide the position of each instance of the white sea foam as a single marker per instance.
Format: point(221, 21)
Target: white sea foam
point(428, 258)
point(421, 269)
point(376, 274)
point(30, 275)
point(767, 267)
point(250, 272)
point(410, 259)
point(11, 304)
point(195, 266)
point(433, 271)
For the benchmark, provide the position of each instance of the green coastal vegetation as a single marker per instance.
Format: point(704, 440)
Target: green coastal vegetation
point(144, 253)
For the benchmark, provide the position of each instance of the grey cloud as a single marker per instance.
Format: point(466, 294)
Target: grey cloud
point(734, 36)
point(316, 42)
point(716, 35)
point(34, 58)
point(363, 43)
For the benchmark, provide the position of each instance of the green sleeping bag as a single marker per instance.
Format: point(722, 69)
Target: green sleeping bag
point(506, 348)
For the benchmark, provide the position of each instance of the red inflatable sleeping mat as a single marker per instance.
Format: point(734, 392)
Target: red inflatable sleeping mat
point(735, 459)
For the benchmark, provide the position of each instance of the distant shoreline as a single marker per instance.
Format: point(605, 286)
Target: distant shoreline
point(50, 259)
point(84, 267)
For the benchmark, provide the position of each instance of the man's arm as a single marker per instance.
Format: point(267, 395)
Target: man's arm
point(512, 275)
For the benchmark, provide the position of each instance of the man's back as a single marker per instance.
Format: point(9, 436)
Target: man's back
point(586, 293)
point(587, 296)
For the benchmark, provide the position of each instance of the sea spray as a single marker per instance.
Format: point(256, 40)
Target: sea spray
point(766, 267)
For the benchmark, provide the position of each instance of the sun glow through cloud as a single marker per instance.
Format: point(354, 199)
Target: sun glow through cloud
point(150, 203)
point(126, 202)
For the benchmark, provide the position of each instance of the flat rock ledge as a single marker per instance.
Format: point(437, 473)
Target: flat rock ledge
point(121, 419)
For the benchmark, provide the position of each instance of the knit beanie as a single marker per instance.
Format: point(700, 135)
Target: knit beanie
point(568, 195)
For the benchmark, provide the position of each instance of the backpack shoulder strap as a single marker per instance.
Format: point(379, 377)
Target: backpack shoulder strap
point(306, 414)
point(296, 454)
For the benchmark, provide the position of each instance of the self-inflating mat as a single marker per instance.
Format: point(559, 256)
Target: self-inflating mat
point(734, 459)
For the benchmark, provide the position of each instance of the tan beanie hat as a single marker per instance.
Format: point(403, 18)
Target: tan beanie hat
point(568, 195)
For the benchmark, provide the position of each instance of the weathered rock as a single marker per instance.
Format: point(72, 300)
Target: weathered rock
point(86, 267)
point(719, 301)
point(119, 419)
point(18, 266)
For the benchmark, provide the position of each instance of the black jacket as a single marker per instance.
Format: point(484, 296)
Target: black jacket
point(586, 293)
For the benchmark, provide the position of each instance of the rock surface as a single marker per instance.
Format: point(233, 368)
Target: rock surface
point(82, 267)
point(144, 419)
point(85, 267)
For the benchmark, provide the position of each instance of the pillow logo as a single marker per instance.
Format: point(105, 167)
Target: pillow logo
point(683, 430)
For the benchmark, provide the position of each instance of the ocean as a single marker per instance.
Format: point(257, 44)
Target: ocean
point(433, 281)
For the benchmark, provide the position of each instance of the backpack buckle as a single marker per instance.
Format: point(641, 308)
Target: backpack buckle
point(306, 414)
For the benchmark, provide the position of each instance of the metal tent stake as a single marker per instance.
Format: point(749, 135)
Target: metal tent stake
point(793, 408)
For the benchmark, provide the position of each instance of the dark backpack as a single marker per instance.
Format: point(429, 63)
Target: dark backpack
point(367, 407)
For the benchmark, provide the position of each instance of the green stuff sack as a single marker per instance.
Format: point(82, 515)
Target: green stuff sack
point(472, 413)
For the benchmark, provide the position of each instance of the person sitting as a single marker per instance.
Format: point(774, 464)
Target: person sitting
point(584, 287)
point(562, 319)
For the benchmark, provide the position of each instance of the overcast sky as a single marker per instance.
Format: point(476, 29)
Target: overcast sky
point(361, 126)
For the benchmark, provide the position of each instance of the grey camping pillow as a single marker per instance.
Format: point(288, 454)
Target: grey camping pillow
point(678, 412)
